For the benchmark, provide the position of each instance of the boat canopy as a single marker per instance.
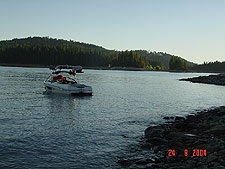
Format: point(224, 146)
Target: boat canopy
point(77, 69)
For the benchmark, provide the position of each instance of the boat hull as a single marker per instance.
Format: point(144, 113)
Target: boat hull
point(73, 89)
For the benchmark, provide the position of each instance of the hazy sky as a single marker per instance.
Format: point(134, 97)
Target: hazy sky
point(192, 29)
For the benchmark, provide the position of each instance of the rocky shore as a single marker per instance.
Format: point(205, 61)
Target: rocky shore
point(211, 79)
point(195, 141)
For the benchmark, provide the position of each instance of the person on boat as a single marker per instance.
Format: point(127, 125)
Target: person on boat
point(57, 78)
point(72, 73)
point(60, 79)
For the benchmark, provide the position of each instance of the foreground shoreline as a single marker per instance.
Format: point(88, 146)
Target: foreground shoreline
point(195, 141)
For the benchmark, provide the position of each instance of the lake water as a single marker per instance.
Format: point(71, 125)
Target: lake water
point(60, 131)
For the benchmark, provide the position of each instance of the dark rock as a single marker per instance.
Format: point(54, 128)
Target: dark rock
point(209, 147)
point(157, 166)
point(220, 167)
point(204, 167)
point(211, 157)
point(146, 146)
point(144, 162)
point(212, 148)
point(174, 135)
point(221, 113)
point(214, 164)
point(217, 130)
point(168, 118)
point(178, 118)
point(179, 126)
point(211, 79)
point(203, 126)
point(221, 153)
point(156, 140)
point(154, 131)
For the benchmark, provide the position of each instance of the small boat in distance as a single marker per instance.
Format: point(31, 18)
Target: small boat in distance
point(62, 80)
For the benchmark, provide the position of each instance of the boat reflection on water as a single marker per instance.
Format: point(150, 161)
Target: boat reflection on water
point(64, 110)
point(64, 103)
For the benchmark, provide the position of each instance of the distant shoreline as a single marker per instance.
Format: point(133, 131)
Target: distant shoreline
point(103, 68)
point(96, 68)
point(23, 65)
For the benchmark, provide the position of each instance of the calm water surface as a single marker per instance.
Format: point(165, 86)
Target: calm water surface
point(60, 131)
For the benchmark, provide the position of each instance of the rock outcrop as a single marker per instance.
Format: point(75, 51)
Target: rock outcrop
point(196, 141)
point(211, 79)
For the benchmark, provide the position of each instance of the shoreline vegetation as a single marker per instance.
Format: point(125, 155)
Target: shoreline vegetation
point(106, 68)
point(95, 68)
point(49, 51)
point(194, 141)
point(33, 51)
point(85, 67)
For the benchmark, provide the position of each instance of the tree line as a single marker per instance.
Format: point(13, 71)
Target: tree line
point(210, 67)
point(176, 63)
point(48, 51)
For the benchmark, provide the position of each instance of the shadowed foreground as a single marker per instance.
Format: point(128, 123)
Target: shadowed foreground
point(197, 141)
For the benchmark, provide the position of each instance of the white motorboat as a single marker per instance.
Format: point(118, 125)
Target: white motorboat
point(62, 80)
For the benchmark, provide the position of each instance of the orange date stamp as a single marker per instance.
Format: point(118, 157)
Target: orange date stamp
point(194, 152)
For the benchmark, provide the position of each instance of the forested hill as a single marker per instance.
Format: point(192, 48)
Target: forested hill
point(48, 41)
point(210, 67)
point(49, 51)
point(161, 58)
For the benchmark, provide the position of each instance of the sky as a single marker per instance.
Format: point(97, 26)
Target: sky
point(192, 29)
